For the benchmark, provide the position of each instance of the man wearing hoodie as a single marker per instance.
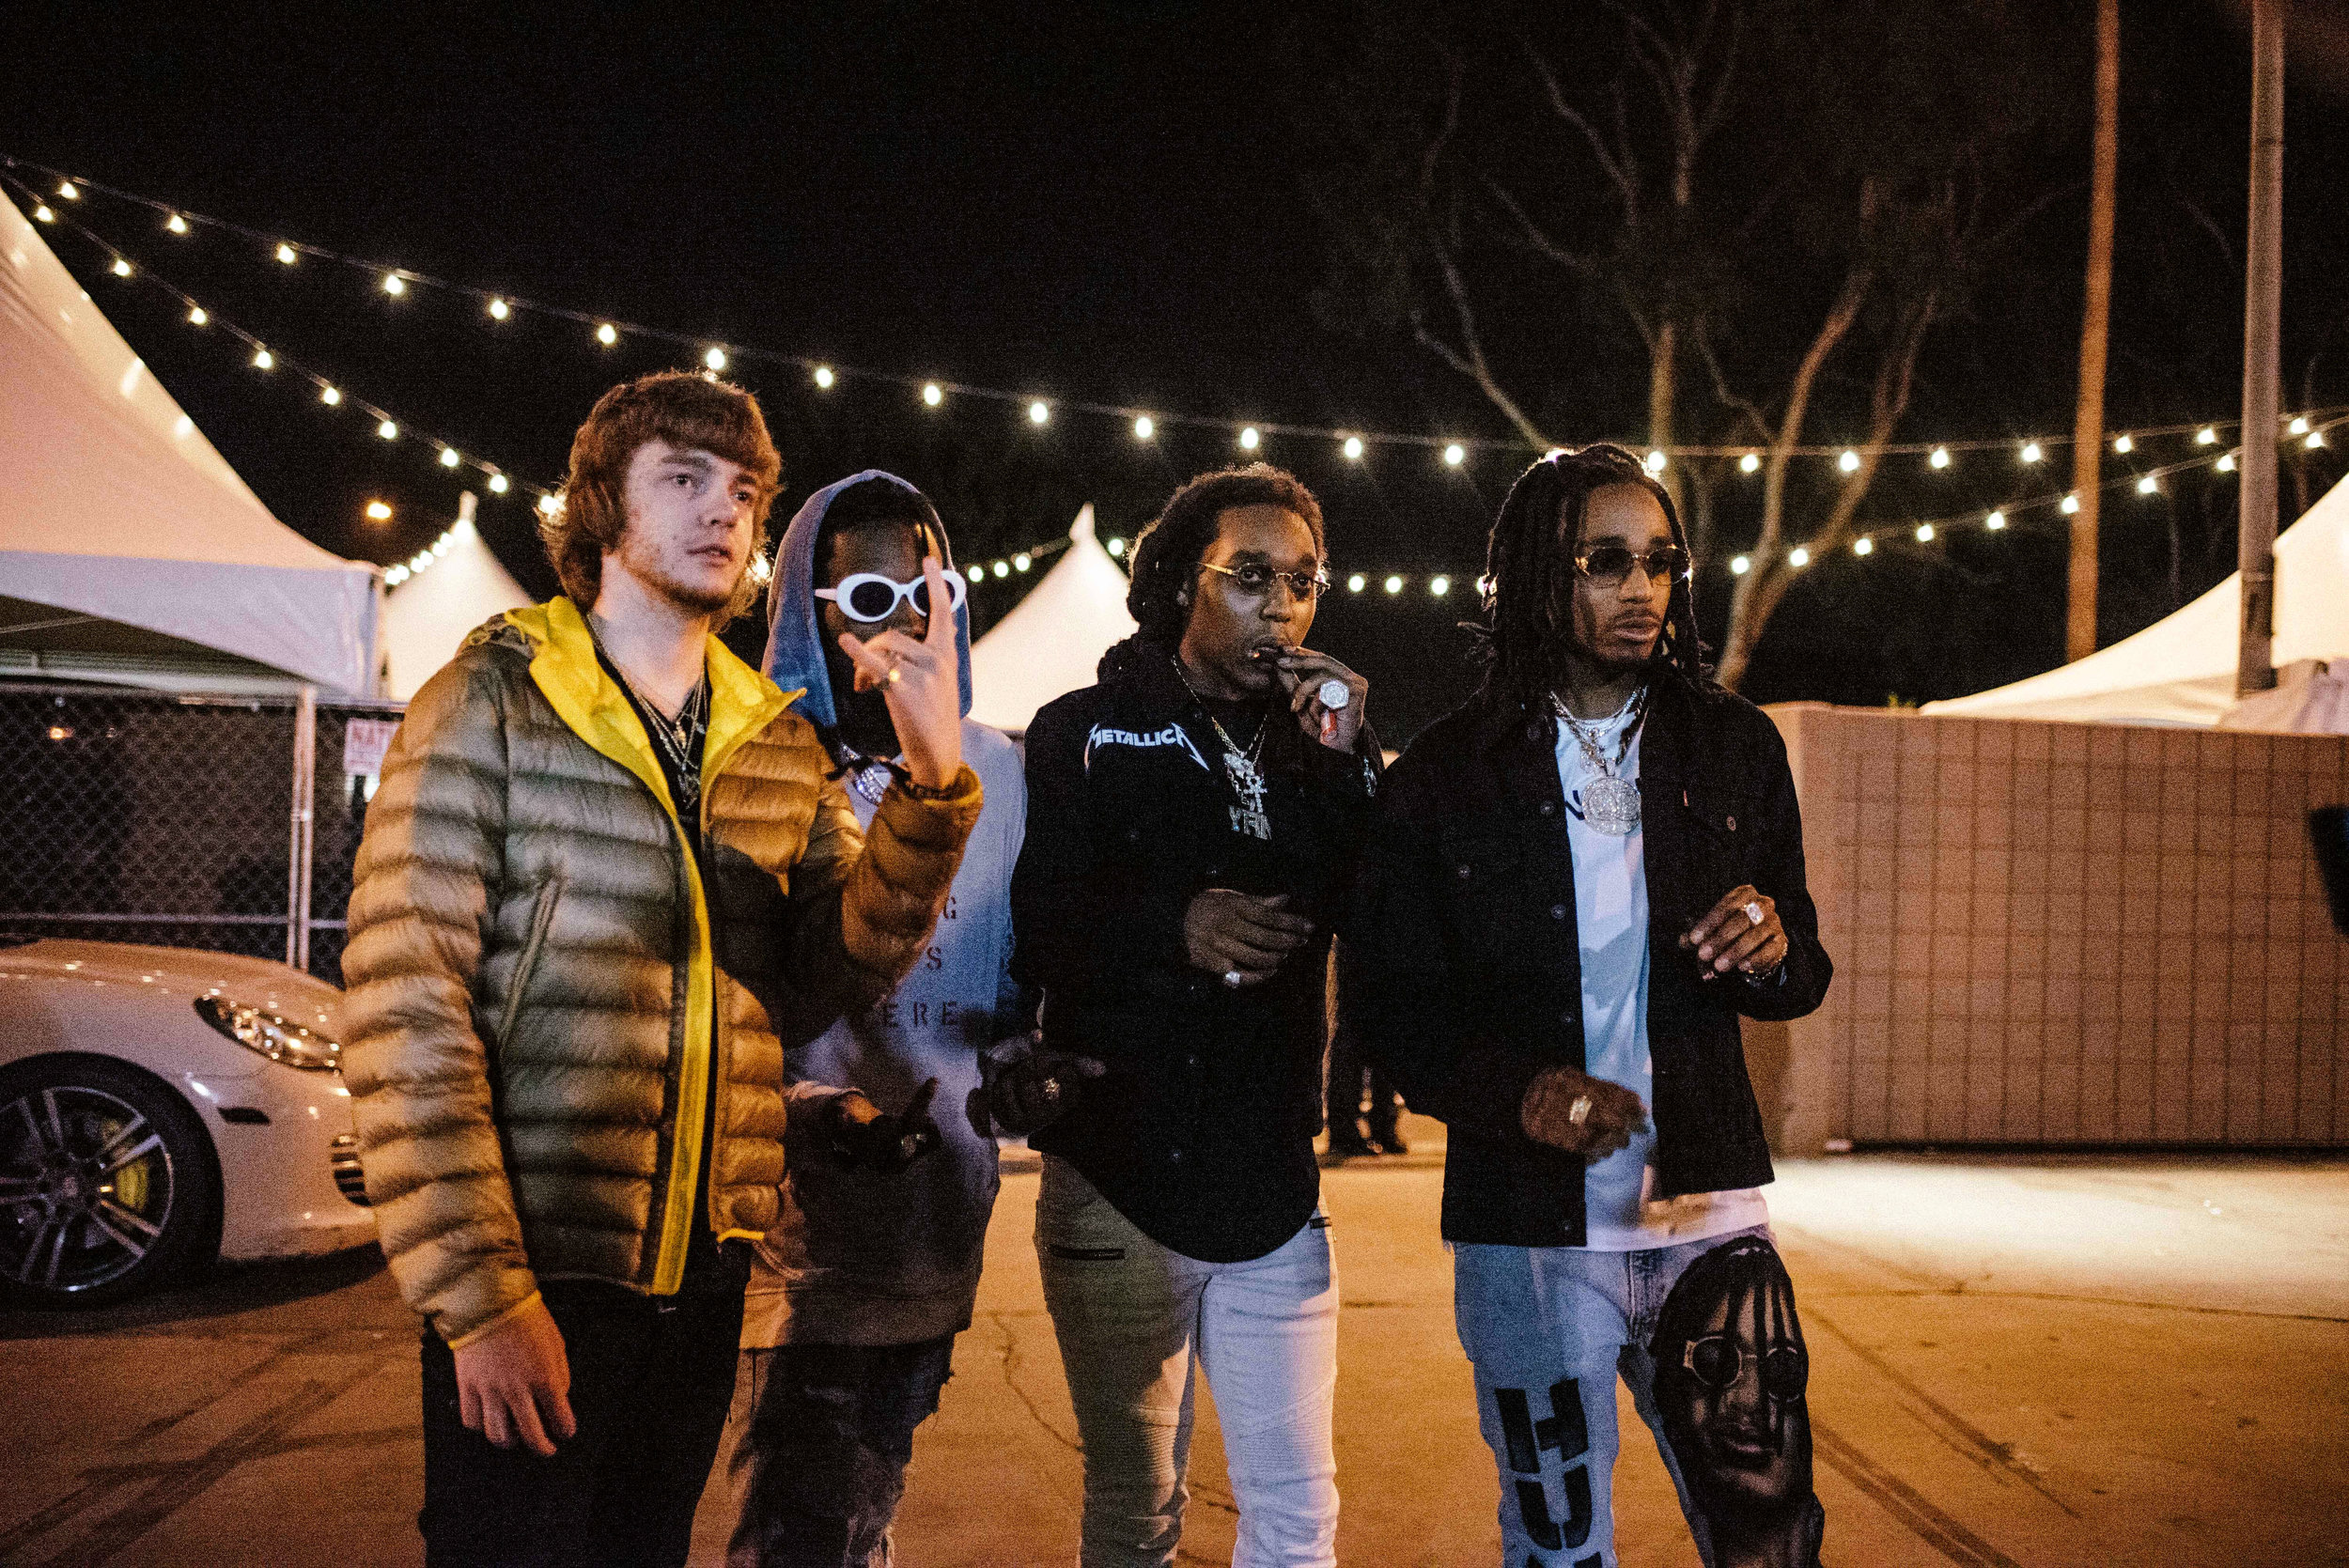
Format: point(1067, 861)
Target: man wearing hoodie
point(865, 1277)
point(606, 863)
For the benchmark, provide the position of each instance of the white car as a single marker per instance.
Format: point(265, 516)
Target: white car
point(161, 1107)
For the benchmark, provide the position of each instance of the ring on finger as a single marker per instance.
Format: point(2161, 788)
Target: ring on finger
point(1579, 1112)
point(1753, 911)
point(893, 676)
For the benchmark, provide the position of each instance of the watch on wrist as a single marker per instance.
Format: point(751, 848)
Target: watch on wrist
point(946, 791)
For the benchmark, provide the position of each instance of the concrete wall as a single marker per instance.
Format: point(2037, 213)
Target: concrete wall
point(2053, 934)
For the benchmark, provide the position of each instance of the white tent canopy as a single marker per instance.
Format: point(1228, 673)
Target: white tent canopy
point(2181, 670)
point(121, 529)
point(1051, 642)
point(431, 613)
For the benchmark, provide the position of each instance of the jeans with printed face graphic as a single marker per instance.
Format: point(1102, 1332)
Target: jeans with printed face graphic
point(1705, 1335)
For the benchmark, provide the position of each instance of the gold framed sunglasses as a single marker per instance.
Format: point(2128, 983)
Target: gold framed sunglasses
point(1257, 581)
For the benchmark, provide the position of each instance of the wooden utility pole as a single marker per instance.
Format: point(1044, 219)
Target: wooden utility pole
point(2263, 310)
point(2088, 426)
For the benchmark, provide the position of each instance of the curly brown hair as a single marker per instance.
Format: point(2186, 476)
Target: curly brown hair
point(691, 412)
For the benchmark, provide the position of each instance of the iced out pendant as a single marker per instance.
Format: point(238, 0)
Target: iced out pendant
point(1611, 806)
point(1249, 815)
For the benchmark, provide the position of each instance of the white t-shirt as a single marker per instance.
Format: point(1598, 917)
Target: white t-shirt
point(1611, 919)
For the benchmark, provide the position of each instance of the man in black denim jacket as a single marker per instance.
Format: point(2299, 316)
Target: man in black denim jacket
point(1576, 884)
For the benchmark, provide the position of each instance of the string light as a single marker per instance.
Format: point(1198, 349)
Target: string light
point(286, 253)
point(499, 309)
point(549, 505)
point(1940, 458)
point(1248, 438)
point(1455, 454)
point(263, 359)
point(1749, 462)
point(1864, 546)
point(2299, 426)
point(1039, 412)
point(762, 569)
point(1656, 460)
point(1352, 449)
point(1995, 521)
point(69, 191)
point(1117, 546)
point(1020, 562)
point(1003, 569)
point(1354, 583)
point(378, 512)
point(2148, 486)
point(121, 268)
point(1849, 461)
point(2226, 463)
point(449, 458)
point(197, 316)
point(824, 377)
point(2206, 436)
point(329, 396)
point(1924, 533)
point(1740, 565)
point(497, 484)
point(2316, 438)
point(43, 214)
point(1439, 585)
point(1144, 426)
point(176, 223)
point(715, 359)
point(2032, 453)
point(1394, 584)
point(607, 335)
point(2123, 445)
point(394, 284)
point(388, 429)
point(1798, 557)
point(933, 395)
point(2071, 503)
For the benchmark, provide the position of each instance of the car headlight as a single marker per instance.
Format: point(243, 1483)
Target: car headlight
point(279, 1039)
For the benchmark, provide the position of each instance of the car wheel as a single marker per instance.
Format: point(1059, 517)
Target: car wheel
point(108, 1186)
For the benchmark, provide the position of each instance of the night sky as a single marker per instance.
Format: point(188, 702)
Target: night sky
point(1099, 202)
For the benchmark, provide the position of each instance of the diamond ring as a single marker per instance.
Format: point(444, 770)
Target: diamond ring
point(1579, 1112)
point(1334, 694)
point(1753, 911)
point(1231, 978)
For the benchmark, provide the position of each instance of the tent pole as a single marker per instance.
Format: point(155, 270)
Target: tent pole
point(2262, 297)
point(305, 748)
point(2088, 429)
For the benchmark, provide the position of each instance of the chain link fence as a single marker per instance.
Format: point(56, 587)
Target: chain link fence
point(211, 822)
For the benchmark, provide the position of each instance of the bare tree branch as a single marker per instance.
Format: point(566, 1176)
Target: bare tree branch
point(1626, 188)
point(1535, 235)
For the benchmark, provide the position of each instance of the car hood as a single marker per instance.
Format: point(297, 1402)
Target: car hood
point(189, 972)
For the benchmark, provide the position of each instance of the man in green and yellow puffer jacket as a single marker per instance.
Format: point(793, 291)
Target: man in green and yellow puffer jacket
point(605, 868)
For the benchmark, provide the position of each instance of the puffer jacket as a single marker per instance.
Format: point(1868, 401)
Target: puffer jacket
point(534, 965)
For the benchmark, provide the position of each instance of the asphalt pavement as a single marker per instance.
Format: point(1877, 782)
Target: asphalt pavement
point(2055, 1361)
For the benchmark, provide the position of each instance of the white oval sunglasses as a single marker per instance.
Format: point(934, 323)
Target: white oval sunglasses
point(867, 596)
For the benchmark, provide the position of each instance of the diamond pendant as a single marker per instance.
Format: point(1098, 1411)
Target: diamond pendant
point(1611, 806)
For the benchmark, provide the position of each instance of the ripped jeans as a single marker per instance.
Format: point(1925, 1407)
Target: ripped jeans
point(1131, 1316)
point(822, 1436)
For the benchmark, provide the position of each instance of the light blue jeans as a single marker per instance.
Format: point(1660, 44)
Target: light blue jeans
point(1549, 1330)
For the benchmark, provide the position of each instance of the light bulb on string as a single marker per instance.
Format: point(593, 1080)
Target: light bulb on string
point(1117, 546)
point(1849, 461)
point(329, 395)
point(286, 253)
point(176, 223)
point(197, 316)
point(1353, 449)
point(69, 191)
point(1039, 412)
point(1393, 584)
point(1248, 439)
point(1798, 557)
point(394, 284)
point(1021, 562)
point(1439, 586)
point(1995, 521)
point(2299, 426)
point(715, 359)
point(1749, 463)
point(2206, 436)
point(1940, 458)
point(932, 393)
point(499, 309)
point(449, 458)
point(263, 360)
point(1924, 533)
point(1739, 565)
point(824, 377)
point(2032, 453)
point(378, 512)
point(497, 484)
point(388, 431)
point(2316, 438)
point(1862, 545)
point(2123, 444)
point(2226, 462)
point(2149, 486)
point(1354, 583)
point(2071, 503)
point(41, 214)
point(1003, 569)
point(1144, 426)
point(607, 335)
point(121, 267)
point(549, 505)
point(1655, 459)
point(1455, 454)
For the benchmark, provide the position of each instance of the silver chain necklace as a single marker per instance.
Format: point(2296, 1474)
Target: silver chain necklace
point(1609, 803)
point(1240, 769)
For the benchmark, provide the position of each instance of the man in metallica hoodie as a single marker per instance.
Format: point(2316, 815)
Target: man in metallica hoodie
point(860, 1288)
point(1192, 820)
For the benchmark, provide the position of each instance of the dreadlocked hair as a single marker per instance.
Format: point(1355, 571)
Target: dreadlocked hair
point(1166, 555)
point(1529, 576)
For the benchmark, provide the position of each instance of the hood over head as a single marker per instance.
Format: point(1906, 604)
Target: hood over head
point(795, 637)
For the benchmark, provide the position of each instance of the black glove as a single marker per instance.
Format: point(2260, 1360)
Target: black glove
point(1027, 1091)
point(863, 1137)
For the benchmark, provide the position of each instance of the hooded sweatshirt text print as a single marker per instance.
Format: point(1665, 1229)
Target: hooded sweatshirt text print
point(856, 1258)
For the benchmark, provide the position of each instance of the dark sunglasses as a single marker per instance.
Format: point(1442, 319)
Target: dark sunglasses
point(1717, 1360)
point(867, 596)
point(1614, 563)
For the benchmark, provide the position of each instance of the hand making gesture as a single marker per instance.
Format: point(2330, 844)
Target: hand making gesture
point(921, 679)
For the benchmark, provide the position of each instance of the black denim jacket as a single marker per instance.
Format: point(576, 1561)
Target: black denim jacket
point(1461, 970)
